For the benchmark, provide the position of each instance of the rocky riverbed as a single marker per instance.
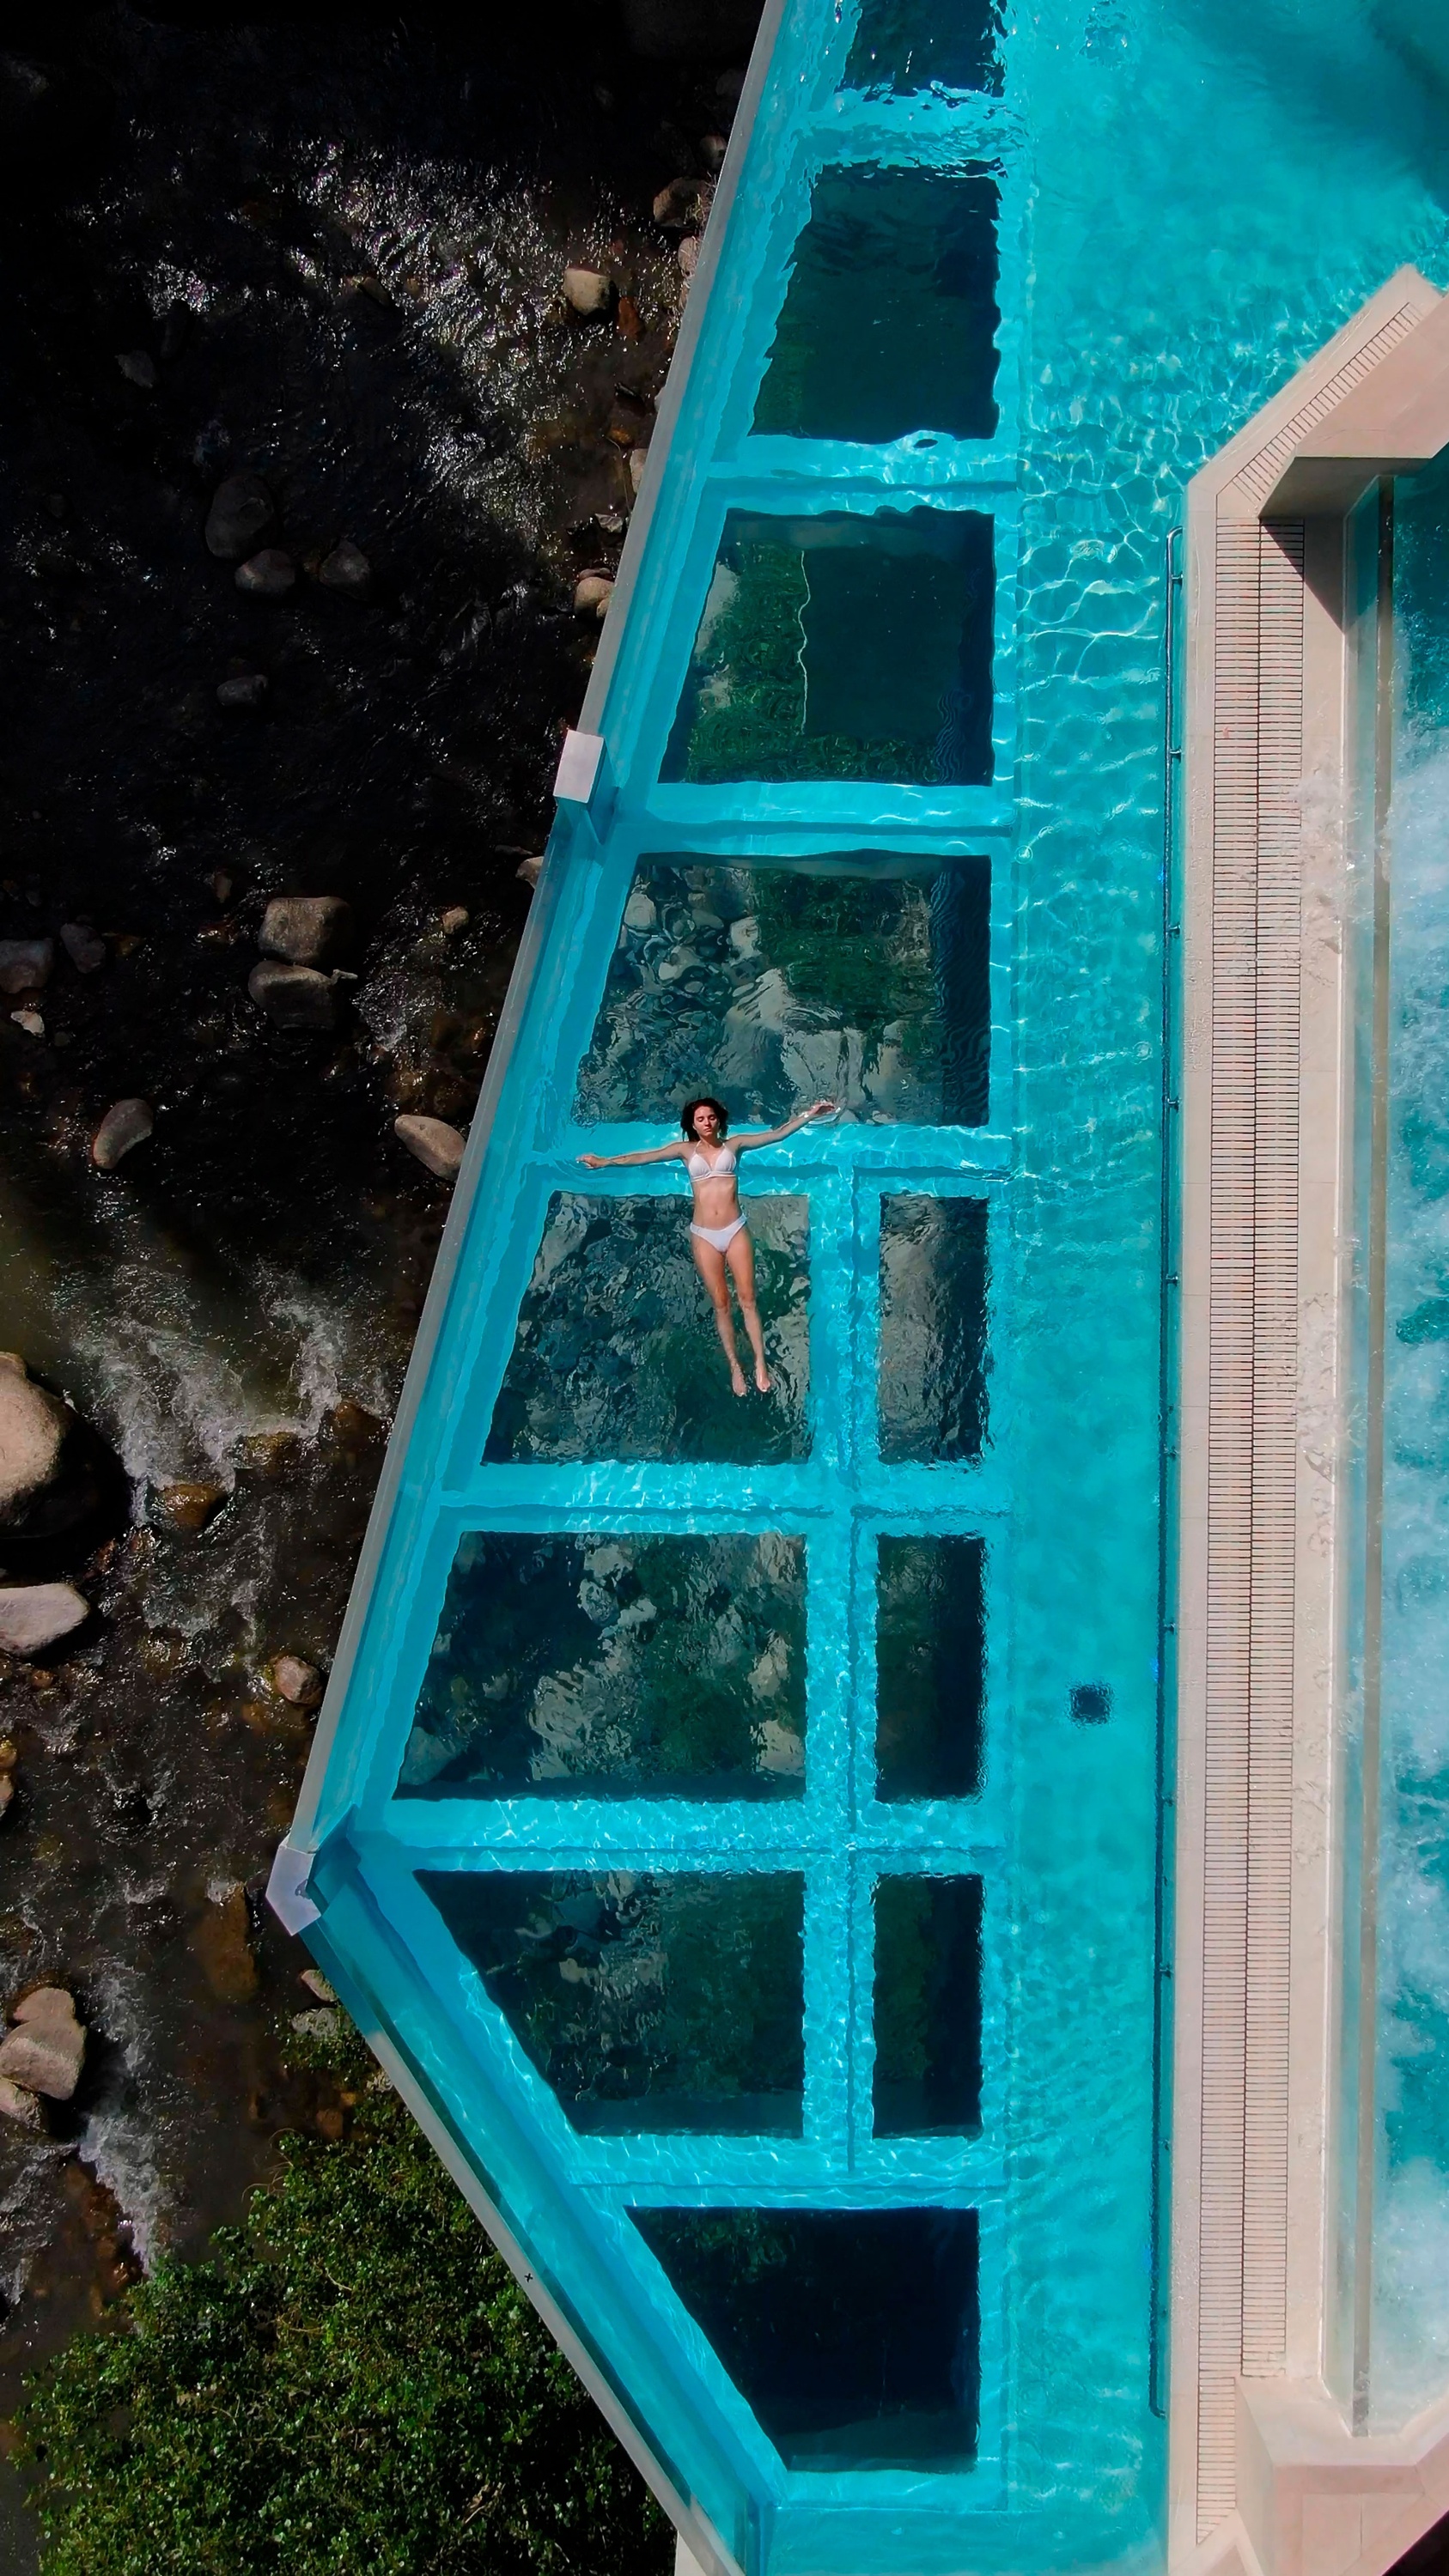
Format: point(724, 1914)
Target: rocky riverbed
point(332, 346)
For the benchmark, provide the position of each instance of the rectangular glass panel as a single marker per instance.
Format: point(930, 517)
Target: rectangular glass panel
point(909, 44)
point(930, 1659)
point(890, 317)
point(604, 1667)
point(647, 2003)
point(932, 1385)
point(616, 1353)
point(853, 2334)
point(927, 2005)
point(843, 647)
point(771, 987)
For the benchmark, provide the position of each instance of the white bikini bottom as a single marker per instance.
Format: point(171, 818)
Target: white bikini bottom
point(721, 1236)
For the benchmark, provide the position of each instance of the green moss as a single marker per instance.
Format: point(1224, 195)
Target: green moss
point(352, 2382)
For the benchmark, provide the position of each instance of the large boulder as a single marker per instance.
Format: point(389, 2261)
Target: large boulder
point(347, 569)
point(269, 575)
point(306, 929)
point(25, 964)
point(46, 2049)
point(36, 1615)
point(295, 997)
point(126, 1123)
point(438, 1147)
point(241, 509)
point(53, 1469)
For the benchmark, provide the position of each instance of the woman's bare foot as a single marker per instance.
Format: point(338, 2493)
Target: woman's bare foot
point(737, 1378)
point(763, 1379)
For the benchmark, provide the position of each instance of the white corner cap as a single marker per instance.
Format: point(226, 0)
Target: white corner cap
point(578, 767)
point(287, 1888)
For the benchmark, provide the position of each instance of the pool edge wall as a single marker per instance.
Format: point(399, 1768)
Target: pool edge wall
point(1276, 2463)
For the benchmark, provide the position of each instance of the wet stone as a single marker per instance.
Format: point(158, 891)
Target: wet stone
point(188, 1508)
point(34, 1430)
point(587, 290)
point(126, 1124)
point(138, 367)
point(36, 1615)
point(25, 964)
point(240, 510)
point(295, 997)
point(437, 1146)
point(678, 204)
point(46, 2049)
point(305, 929)
point(268, 575)
point(19, 2105)
point(346, 569)
point(83, 946)
point(295, 1680)
point(245, 689)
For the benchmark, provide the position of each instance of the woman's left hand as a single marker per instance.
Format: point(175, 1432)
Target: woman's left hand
point(821, 1109)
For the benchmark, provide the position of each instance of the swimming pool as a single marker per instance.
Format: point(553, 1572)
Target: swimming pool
point(742, 1824)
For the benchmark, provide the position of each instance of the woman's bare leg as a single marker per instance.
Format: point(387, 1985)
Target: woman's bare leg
point(741, 1258)
point(711, 1267)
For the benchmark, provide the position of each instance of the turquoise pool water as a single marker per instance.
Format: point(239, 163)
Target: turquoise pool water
point(1403, 2040)
point(745, 1818)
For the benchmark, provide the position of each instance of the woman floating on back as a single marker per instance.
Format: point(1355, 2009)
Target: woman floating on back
point(719, 1233)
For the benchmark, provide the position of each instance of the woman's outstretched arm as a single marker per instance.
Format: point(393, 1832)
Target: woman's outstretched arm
point(646, 1154)
point(772, 1135)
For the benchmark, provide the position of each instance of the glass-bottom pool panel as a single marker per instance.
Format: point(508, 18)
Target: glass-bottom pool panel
point(863, 979)
point(843, 646)
point(612, 1666)
point(665, 2002)
point(853, 2335)
point(927, 2005)
point(616, 1355)
point(930, 1647)
point(931, 1391)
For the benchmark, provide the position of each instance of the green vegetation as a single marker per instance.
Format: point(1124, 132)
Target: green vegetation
point(744, 701)
point(352, 2382)
point(856, 954)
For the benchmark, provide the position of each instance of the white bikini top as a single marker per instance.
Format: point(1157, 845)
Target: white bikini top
point(699, 1170)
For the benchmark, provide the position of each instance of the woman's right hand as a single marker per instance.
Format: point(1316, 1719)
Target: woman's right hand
point(593, 1162)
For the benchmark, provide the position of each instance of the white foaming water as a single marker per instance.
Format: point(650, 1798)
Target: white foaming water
point(124, 2139)
point(336, 1352)
point(1411, 2328)
point(179, 1366)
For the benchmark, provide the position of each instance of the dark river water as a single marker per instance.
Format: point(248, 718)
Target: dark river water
point(328, 246)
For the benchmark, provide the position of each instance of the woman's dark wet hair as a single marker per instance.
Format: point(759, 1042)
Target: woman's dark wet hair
point(692, 1108)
